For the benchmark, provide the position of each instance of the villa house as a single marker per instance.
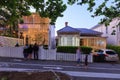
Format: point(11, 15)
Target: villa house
point(69, 36)
point(36, 29)
point(112, 31)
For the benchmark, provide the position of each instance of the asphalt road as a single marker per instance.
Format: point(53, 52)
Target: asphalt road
point(95, 71)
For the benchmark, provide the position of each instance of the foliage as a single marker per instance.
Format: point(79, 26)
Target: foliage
point(115, 48)
point(86, 50)
point(50, 8)
point(67, 49)
point(108, 11)
point(72, 49)
point(13, 10)
point(39, 38)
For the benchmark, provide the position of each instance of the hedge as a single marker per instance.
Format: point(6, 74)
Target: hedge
point(115, 48)
point(72, 49)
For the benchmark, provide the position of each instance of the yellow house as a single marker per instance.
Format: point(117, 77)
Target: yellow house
point(34, 29)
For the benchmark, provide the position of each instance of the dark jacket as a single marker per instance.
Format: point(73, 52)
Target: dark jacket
point(25, 50)
point(30, 49)
point(35, 47)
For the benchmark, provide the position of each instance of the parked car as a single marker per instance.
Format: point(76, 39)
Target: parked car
point(106, 55)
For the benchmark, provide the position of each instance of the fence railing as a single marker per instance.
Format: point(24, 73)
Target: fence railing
point(49, 54)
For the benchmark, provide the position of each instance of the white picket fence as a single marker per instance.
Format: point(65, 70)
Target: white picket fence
point(17, 52)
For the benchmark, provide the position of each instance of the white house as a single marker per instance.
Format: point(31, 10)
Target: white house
point(112, 31)
point(69, 36)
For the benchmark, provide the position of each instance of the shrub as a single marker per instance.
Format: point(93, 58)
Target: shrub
point(72, 49)
point(115, 48)
point(86, 50)
point(67, 49)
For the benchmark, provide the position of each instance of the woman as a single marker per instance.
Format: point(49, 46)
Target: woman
point(78, 56)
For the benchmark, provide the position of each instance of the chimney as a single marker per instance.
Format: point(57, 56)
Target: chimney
point(66, 24)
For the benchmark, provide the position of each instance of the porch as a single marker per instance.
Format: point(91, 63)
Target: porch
point(94, 42)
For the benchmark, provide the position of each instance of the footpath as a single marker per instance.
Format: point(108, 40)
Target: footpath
point(99, 71)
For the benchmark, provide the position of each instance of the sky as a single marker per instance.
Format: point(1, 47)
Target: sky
point(77, 17)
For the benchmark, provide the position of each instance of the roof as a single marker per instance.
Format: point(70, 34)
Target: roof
point(82, 31)
point(95, 26)
point(68, 29)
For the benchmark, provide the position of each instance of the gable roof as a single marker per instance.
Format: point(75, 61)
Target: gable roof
point(68, 29)
point(88, 32)
point(82, 31)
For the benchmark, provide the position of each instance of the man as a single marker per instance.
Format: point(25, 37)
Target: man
point(35, 50)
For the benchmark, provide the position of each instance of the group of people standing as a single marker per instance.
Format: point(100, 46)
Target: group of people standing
point(30, 50)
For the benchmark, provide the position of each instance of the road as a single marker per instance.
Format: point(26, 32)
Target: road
point(95, 71)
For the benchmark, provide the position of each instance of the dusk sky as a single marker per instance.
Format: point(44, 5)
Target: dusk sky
point(77, 17)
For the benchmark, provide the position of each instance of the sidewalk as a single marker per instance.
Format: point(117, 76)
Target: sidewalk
point(95, 70)
point(64, 63)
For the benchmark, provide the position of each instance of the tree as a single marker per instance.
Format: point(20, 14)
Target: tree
point(13, 10)
point(108, 11)
point(49, 8)
point(11, 13)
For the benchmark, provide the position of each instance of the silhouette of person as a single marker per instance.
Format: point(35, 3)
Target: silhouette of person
point(30, 51)
point(35, 50)
point(86, 61)
point(78, 56)
point(25, 51)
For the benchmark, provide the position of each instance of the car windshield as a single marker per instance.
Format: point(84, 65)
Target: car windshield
point(110, 52)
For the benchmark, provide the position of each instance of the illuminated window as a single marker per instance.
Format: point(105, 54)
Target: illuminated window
point(81, 42)
point(69, 41)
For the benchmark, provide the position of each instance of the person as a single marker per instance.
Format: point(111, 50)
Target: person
point(30, 51)
point(25, 51)
point(35, 50)
point(86, 61)
point(78, 56)
point(16, 45)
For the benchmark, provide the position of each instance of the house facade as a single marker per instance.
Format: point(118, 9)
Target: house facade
point(36, 29)
point(112, 31)
point(69, 36)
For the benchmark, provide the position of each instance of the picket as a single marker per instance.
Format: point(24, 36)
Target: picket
point(44, 54)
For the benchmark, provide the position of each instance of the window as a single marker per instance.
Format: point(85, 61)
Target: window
point(110, 52)
point(81, 42)
point(69, 41)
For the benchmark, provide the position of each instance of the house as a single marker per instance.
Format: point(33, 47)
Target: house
point(69, 36)
point(112, 31)
point(36, 29)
